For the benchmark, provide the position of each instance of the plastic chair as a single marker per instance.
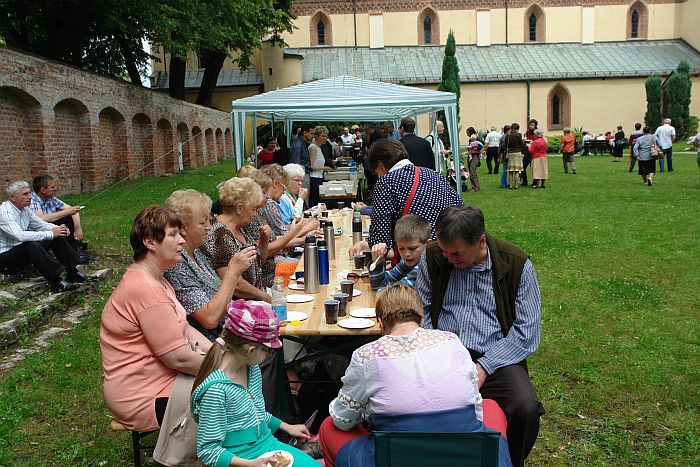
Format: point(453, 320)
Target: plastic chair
point(412, 449)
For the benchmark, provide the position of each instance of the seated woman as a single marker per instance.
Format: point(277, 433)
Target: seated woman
point(145, 341)
point(396, 375)
point(202, 293)
point(231, 233)
point(292, 201)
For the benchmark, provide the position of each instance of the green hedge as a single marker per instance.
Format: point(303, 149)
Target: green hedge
point(553, 144)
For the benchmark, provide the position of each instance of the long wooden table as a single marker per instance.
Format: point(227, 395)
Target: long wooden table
point(316, 325)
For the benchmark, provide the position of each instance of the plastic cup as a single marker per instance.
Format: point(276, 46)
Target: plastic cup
point(359, 261)
point(331, 308)
point(368, 257)
point(343, 299)
point(341, 205)
point(347, 287)
point(300, 277)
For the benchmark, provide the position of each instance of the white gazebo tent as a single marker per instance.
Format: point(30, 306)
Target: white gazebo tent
point(343, 98)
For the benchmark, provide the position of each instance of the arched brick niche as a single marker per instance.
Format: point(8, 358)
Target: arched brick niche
point(22, 151)
point(142, 144)
point(113, 155)
point(165, 150)
point(70, 159)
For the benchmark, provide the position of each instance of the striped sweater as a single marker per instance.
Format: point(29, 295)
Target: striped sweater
point(402, 272)
point(230, 415)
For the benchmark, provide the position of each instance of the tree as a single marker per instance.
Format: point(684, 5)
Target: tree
point(678, 95)
point(450, 79)
point(652, 118)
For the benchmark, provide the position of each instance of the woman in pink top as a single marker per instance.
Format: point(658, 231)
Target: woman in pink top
point(408, 371)
point(144, 338)
point(538, 155)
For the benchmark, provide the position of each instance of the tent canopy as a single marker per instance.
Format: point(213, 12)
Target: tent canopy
point(342, 98)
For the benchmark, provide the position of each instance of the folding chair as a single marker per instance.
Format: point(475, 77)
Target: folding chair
point(412, 449)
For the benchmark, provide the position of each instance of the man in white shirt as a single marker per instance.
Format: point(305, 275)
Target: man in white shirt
point(25, 238)
point(665, 136)
point(440, 145)
point(493, 141)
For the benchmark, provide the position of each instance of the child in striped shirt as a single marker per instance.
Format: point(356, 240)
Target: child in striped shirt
point(411, 235)
point(227, 400)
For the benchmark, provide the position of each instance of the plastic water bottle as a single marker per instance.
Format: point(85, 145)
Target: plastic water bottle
point(279, 299)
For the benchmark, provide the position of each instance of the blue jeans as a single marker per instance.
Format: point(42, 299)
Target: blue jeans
point(669, 161)
point(504, 174)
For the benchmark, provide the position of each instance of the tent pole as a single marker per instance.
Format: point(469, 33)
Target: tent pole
point(255, 138)
point(436, 146)
point(451, 116)
point(272, 127)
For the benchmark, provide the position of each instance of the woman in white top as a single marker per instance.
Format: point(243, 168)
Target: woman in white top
point(396, 375)
point(317, 164)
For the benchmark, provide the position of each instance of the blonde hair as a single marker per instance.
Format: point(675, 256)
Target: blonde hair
point(411, 227)
point(188, 203)
point(320, 131)
point(399, 304)
point(212, 360)
point(262, 179)
point(245, 171)
point(276, 173)
point(242, 192)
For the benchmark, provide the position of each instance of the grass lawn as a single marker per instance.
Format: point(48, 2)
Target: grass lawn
point(618, 265)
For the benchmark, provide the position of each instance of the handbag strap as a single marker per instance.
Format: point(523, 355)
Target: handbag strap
point(407, 206)
point(412, 194)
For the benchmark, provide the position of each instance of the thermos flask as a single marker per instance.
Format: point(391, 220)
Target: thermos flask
point(322, 262)
point(310, 265)
point(329, 235)
point(356, 227)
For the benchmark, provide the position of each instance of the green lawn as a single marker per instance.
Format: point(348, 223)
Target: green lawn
point(617, 370)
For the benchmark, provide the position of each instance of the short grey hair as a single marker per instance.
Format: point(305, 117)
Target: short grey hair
point(539, 133)
point(15, 187)
point(667, 121)
point(294, 170)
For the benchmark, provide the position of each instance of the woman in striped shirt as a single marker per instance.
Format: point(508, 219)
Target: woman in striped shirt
point(227, 402)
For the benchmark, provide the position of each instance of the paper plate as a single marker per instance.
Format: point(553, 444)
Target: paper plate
point(355, 292)
point(271, 453)
point(295, 286)
point(299, 298)
point(356, 323)
point(296, 316)
point(363, 313)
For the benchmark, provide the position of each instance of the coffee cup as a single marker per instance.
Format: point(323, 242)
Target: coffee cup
point(346, 287)
point(331, 308)
point(359, 261)
point(343, 299)
point(368, 257)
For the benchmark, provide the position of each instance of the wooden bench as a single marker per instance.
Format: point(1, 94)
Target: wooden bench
point(136, 437)
point(598, 146)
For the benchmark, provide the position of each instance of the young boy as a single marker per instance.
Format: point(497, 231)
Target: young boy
point(411, 235)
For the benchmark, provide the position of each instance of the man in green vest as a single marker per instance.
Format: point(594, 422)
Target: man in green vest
point(485, 290)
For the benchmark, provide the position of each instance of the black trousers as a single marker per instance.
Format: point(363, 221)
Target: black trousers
point(37, 253)
point(68, 222)
point(314, 194)
point(526, 164)
point(492, 155)
point(511, 388)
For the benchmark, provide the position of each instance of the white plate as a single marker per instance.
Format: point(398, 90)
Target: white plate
point(355, 323)
point(295, 286)
point(363, 313)
point(299, 298)
point(269, 454)
point(296, 316)
point(355, 292)
point(293, 276)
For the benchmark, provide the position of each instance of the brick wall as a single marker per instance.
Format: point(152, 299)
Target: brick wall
point(88, 131)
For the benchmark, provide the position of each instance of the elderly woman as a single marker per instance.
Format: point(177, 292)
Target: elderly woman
point(292, 201)
point(516, 148)
point(317, 164)
point(202, 293)
point(295, 230)
point(145, 340)
point(240, 199)
point(642, 151)
point(376, 385)
point(389, 160)
point(538, 157)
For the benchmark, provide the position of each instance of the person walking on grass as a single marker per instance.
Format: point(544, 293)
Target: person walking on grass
point(665, 135)
point(538, 155)
point(642, 151)
point(475, 147)
point(619, 144)
point(568, 146)
point(516, 148)
point(633, 139)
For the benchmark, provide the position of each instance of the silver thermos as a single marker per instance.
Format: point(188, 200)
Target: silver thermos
point(356, 227)
point(310, 265)
point(329, 235)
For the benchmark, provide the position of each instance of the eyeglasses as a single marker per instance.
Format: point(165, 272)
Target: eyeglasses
point(267, 350)
point(353, 276)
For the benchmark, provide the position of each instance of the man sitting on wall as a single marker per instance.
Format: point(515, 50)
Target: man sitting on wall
point(53, 210)
point(26, 238)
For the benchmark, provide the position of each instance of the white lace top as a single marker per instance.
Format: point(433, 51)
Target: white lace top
point(425, 371)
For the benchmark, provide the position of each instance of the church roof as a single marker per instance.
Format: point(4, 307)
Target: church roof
point(228, 77)
point(514, 62)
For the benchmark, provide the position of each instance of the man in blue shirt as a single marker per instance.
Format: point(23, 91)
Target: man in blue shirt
point(485, 290)
point(299, 151)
